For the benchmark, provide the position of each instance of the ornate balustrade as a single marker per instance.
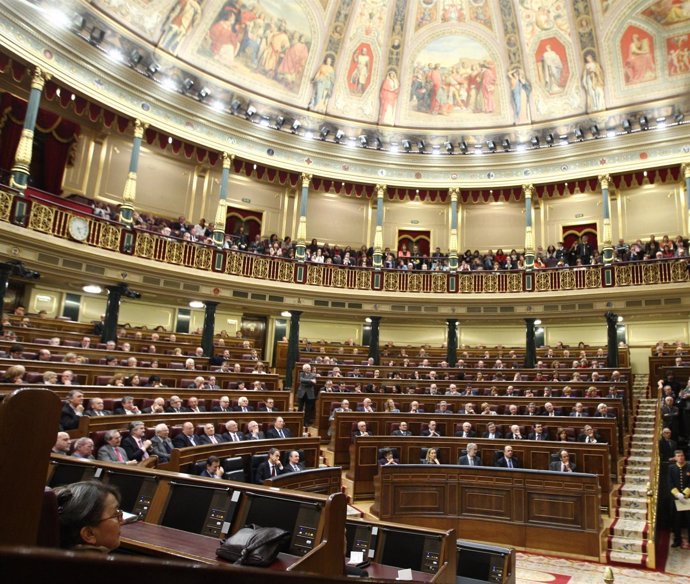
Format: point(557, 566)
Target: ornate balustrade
point(53, 219)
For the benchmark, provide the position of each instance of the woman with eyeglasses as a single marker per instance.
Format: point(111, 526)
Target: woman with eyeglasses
point(89, 516)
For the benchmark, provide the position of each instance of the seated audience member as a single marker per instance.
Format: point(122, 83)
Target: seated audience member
point(72, 410)
point(514, 433)
point(402, 430)
point(223, 405)
point(538, 433)
point(443, 408)
point(232, 433)
point(293, 463)
point(562, 435)
point(89, 516)
point(198, 383)
point(432, 430)
point(186, 438)
point(175, 406)
point(415, 409)
point(269, 405)
point(62, 443)
point(128, 408)
point(344, 407)
point(213, 469)
point(366, 406)
point(83, 448)
point(279, 430)
point(466, 432)
point(271, 467)
point(387, 458)
point(14, 374)
point(549, 410)
point(254, 432)
point(50, 378)
point(588, 435)
point(117, 380)
point(390, 407)
point(189, 364)
point(667, 446)
point(361, 430)
point(96, 408)
point(135, 445)
point(603, 412)
point(470, 458)
point(111, 450)
point(193, 406)
point(508, 460)
point(161, 445)
point(209, 436)
point(491, 432)
point(579, 411)
point(431, 457)
point(564, 464)
point(157, 407)
point(212, 383)
point(243, 405)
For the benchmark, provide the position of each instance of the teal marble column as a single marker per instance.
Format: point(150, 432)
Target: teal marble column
point(606, 244)
point(528, 192)
point(129, 194)
point(302, 227)
point(378, 236)
point(221, 212)
point(453, 240)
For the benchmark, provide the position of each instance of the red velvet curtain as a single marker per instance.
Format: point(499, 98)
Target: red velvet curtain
point(572, 232)
point(421, 238)
point(54, 139)
point(250, 219)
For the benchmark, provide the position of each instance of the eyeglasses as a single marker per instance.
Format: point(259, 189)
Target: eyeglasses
point(117, 515)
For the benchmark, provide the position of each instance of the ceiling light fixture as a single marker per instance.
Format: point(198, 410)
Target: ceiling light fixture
point(491, 145)
point(296, 125)
point(595, 131)
point(644, 122)
point(323, 134)
point(421, 146)
point(339, 135)
point(627, 126)
point(196, 304)
point(535, 141)
point(449, 147)
point(506, 144)
point(407, 145)
point(463, 147)
point(92, 289)
point(280, 122)
point(251, 110)
point(579, 134)
point(97, 35)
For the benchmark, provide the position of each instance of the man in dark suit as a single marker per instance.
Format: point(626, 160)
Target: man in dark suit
point(186, 438)
point(161, 445)
point(193, 406)
point(589, 436)
point(268, 406)
point(213, 469)
point(579, 411)
point(209, 436)
point(307, 394)
point(432, 430)
point(254, 432)
point(538, 433)
point(564, 464)
point(72, 410)
point(470, 458)
point(175, 406)
point(127, 408)
point(96, 408)
point(243, 405)
point(415, 409)
point(361, 430)
point(667, 446)
point(443, 408)
point(269, 468)
point(549, 410)
point(223, 405)
point(491, 432)
point(514, 433)
point(157, 407)
point(233, 433)
point(293, 463)
point(466, 432)
point(603, 411)
point(508, 460)
point(279, 430)
point(135, 445)
point(401, 430)
point(679, 483)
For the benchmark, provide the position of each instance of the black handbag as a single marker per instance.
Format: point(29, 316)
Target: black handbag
point(253, 545)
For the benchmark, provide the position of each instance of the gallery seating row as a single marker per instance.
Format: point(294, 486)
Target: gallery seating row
point(381, 424)
point(536, 455)
point(657, 365)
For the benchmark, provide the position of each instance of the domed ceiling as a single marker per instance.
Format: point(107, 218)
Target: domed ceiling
point(423, 64)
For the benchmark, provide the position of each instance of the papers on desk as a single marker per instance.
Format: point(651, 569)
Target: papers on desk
point(405, 574)
point(129, 517)
point(356, 558)
point(683, 504)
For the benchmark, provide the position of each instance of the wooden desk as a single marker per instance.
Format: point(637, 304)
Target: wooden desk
point(364, 467)
point(542, 511)
point(326, 480)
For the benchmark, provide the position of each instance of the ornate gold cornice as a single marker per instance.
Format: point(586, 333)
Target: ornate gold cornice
point(139, 128)
point(39, 78)
point(381, 190)
point(227, 159)
point(454, 193)
point(604, 180)
point(528, 191)
point(306, 179)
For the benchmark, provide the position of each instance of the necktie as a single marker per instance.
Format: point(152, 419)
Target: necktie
point(295, 468)
point(589, 440)
point(191, 440)
point(510, 463)
point(273, 470)
point(118, 454)
point(471, 461)
point(167, 446)
point(99, 413)
point(280, 433)
point(140, 444)
point(214, 440)
point(563, 468)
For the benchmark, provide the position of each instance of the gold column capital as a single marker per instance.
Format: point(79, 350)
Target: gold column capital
point(39, 78)
point(306, 179)
point(454, 193)
point(685, 168)
point(139, 128)
point(381, 190)
point(604, 180)
point(528, 191)
point(227, 159)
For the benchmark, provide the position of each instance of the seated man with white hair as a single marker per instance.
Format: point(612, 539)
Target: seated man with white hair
point(83, 448)
point(161, 445)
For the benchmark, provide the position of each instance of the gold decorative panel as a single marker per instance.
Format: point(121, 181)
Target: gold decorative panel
point(490, 283)
point(144, 245)
point(439, 283)
point(173, 252)
point(286, 272)
point(466, 283)
point(391, 282)
point(203, 258)
point(315, 275)
point(41, 218)
point(623, 275)
point(514, 283)
point(363, 280)
point(650, 274)
point(5, 205)
point(414, 283)
point(679, 271)
point(593, 278)
point(234, 265)
point(110, 238)
point(567, 279)
point(260, 268)
point(543, 282)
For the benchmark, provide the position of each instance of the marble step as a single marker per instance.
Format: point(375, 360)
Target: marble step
point(623, 544)
point(634, 514)
point(634, 559)
point(629, 528)
point(633, 502)
point(637, 471)
point(637, 491)
point(639, 460)
point(640, 479)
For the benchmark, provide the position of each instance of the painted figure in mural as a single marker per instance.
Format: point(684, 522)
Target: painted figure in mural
point(520, 90)
point(487, 86)
point(552, 70)
point(360, 74)
point(323, 85)
point(278, 43)
point(182, 17)
point(639, 66)
point(388, 98)
point(434, 83)
point(593, 83)
point(294, 61)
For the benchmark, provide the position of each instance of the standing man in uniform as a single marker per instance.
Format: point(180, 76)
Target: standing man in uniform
point(679, 482)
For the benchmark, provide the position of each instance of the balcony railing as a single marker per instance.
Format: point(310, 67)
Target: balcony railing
point(53, 219)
